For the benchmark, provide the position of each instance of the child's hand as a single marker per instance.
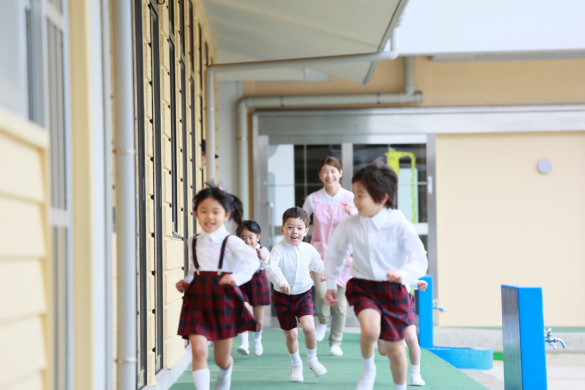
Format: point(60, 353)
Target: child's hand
point(227, 279)
point(394, 275)
point(349, 208)
point(323, 278)
point(331, 297)
point(260, 254)
point(285, 289)
point(422, 285)
point(181, 286)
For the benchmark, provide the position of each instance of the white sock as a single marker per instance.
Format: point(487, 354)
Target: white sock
point(244, 338)
point(368, 374)
point(368, 365)
point(311, 355)
point(201, 378)
point(257, 336)
point(222, 374)
point(415, 369)
point(399, 387)
point(296, 359)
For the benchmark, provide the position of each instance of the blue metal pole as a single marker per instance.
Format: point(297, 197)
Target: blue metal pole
point(425, 314)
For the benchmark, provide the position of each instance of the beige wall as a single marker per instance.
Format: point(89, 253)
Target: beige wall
point(24, 267)
point(457, 83)
point(502, 222)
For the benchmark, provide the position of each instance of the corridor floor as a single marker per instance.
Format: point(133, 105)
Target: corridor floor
point(272, 369)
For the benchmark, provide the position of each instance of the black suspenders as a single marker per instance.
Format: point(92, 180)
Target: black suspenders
point(221, 255)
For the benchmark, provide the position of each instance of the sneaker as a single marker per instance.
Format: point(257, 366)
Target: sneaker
point(336, 350)
point(296, 374)
point(258, 349)
point(317, 368)
point(416, 380)
point(321, 330)
point(244, 349)
point(366, 381)
point(224, 384)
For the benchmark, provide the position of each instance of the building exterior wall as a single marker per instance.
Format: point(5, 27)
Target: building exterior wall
point(184, 70)
point(24, 255)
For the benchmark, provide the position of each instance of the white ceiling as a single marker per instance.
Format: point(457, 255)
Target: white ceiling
point(255, 30)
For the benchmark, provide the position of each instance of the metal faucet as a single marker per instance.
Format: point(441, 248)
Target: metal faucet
point(552, 341)
point(437, 307)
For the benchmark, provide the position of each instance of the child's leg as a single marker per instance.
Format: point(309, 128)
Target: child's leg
point(291, 340)
point(223, 359)
point(397, 355)
point(381, 347)
point(308, 325)
point(259, 315)
point(412, 343)
point(199, 349)
point(370, 323)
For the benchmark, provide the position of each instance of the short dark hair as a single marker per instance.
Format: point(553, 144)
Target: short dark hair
point(229, 202)
point(248, 225)
point(295, 212)
point(379, 180)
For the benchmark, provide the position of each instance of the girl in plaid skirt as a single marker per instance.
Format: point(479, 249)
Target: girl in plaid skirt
point(213, 305)
point(256, 291)
point(388, 257)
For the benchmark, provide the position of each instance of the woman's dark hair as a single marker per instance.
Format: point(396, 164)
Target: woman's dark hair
point(330, 160)
point(379, 180)
point(295, 212)
point(229, 202)
point(249, 225)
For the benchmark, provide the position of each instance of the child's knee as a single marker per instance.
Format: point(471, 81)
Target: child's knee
point(411, 339)
point(199, 351)
point(223, 362)
point(370, 332)
point(395, 352)
point(290, 336)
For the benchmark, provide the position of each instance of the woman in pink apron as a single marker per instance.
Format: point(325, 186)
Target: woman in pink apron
point(330, 205)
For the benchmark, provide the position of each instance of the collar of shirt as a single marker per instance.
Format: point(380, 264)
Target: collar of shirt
point(337, 195)
point(291, 247)
point(378, 219)
point(215, 236)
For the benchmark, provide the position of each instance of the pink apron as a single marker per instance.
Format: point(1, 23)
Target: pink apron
point(326, 217)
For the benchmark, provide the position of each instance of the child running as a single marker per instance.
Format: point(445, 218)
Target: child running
point(388, 257)
point(411, 341)
point(257, 291)
point(213, 306)
point(288, 270)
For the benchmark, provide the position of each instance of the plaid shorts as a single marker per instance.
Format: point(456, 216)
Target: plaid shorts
point(214, 310)
point(391, 300)
point(290, 307)
point(257, 291)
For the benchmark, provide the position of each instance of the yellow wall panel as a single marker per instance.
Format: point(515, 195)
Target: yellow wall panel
point(22, 280)
point(149, 173)
point(150, 331)
point(167, 221)
point(147, 60)
point(172, 315)
point(164, 50)
point(30, 382)
point(173, 254)
point(148, 99)
point(150, 292)
point(25, 341)
point(170, 293)
point(174, 351)
point(166, 120)
point(22, 229)
point(151, 374)
point(148, 138)
point(145, 22)
point(150, 258)
point(149, 215)
point(25, 177)
point(500, 221)
point(167, 189)
point(165, 84)
point(167, 152)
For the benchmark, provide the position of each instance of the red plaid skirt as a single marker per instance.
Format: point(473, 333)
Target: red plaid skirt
point(290, 307)
point(257, 291)
point(391, 300)
point(214, 310)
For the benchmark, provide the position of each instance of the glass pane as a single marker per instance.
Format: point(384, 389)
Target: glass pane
point(410, 163)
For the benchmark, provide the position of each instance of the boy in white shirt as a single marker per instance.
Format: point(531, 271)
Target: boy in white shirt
point(388, 257)
point(288, 270)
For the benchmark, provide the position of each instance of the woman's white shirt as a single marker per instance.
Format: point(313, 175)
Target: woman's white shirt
point(380, 243)
point(239, 259)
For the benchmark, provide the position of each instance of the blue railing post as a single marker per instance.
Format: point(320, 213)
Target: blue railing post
point(522, 336)
point(425, 314)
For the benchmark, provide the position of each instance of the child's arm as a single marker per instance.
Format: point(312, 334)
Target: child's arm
point(337, 251)
point(316, 264)
point(247, 265)
point(273, 270)
point(417, 263)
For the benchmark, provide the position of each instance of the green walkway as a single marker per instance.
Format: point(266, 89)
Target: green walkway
point(272, 369)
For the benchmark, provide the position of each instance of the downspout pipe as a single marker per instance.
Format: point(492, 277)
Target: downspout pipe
point(410, 95)
point(275, 64)
point(125, 155)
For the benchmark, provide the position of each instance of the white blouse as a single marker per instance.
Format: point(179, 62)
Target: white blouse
point(290, 264)
point(380, 243)
point(239, 259)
